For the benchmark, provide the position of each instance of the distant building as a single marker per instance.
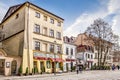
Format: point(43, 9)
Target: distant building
point(69, 52)
point(85, 51)
point(116, 57)
point(32, 38)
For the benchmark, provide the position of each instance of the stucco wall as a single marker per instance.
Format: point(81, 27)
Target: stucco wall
point(14, 45)
point(12, 25)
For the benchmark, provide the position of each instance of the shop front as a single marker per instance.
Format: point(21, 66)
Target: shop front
point(48, 63)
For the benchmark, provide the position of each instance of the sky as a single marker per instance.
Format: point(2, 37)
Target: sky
point(78, 14)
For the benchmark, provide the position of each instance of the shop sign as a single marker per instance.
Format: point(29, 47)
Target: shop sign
point(52, 56)
point(37, 54)
point(7, 64)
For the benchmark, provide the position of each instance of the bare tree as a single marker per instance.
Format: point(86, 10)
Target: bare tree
point(103, 39)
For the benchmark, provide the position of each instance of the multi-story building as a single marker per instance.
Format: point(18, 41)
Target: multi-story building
point(69, 52)
point(31, 37)
point(85, 51)
point(116, 57)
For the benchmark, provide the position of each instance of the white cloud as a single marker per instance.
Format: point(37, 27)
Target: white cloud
point(3, 9)
point(84, 20)
point(114, 6)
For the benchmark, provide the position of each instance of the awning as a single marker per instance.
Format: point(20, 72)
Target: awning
point(56, 59)
point(40, 58)
point(70, 59)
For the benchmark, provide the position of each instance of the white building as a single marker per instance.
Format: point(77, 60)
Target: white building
point(86, 55)
point(69, 50)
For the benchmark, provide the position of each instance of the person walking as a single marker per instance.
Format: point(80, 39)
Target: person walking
point(80, 69)
point(118, 67)
point(113, 67)
point(77, 69)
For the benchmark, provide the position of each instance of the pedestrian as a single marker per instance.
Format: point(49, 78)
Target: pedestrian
point(77, 69)
point(80, 69)
point(118, 67)
point(113, 67)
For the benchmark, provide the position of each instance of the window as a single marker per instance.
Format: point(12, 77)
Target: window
point(88, 55)
point(59, 24)
point(52, 21)
point(71, 51)
point(57, 64)
point(51, 48)
point(37, 15)
point(37, 45)
point(95, 55)
point(37, 28)
point(48, 64)
point(67, 51)
point(58, 49)
point(45, 18)
point(51, 33)
point(58, 35)
point(17, 15)
point(44, 31)
point(35, 64)
point(91, 56)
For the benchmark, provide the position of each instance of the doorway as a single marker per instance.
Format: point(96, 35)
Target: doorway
point(2, 66)
point(13, 67)
point(42, 67)
point(53, 67)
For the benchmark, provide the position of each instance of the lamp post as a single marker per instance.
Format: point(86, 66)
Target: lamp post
point(55, 59)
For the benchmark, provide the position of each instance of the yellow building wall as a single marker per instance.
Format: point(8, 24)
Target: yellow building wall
point(12, 25)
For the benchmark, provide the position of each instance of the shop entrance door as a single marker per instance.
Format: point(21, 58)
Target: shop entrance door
point(42, 66)
point(2, 66)
point(13, 67)
point(53, 67)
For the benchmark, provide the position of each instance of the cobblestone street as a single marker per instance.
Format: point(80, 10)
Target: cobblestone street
point(86, 75)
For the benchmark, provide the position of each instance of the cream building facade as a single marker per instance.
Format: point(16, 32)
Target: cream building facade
point(35, 36)
point(69, 52)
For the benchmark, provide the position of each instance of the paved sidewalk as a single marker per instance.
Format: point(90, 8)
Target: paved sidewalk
point(34, 76)
point(85, 75)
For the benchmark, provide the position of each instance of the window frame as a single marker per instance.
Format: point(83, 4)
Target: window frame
point(37, 45)
point(37, 14)
point(58, 36)
point(37, 28)
point(51, 33)
point(52, 20)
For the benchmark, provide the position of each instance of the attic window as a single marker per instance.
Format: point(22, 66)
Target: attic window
point(17, 15)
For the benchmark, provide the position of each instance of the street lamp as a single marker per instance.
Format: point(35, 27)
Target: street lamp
point(55, 59)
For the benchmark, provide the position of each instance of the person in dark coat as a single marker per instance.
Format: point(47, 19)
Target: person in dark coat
point(118, 67)
point(77, 69)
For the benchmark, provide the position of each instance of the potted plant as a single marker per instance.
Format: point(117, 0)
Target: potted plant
point(20, 71)
point(35, 70)
point(26, 71)
point(32, 71)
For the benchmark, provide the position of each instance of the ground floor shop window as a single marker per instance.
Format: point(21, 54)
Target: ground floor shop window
point(57, 64)
point(48, 64)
